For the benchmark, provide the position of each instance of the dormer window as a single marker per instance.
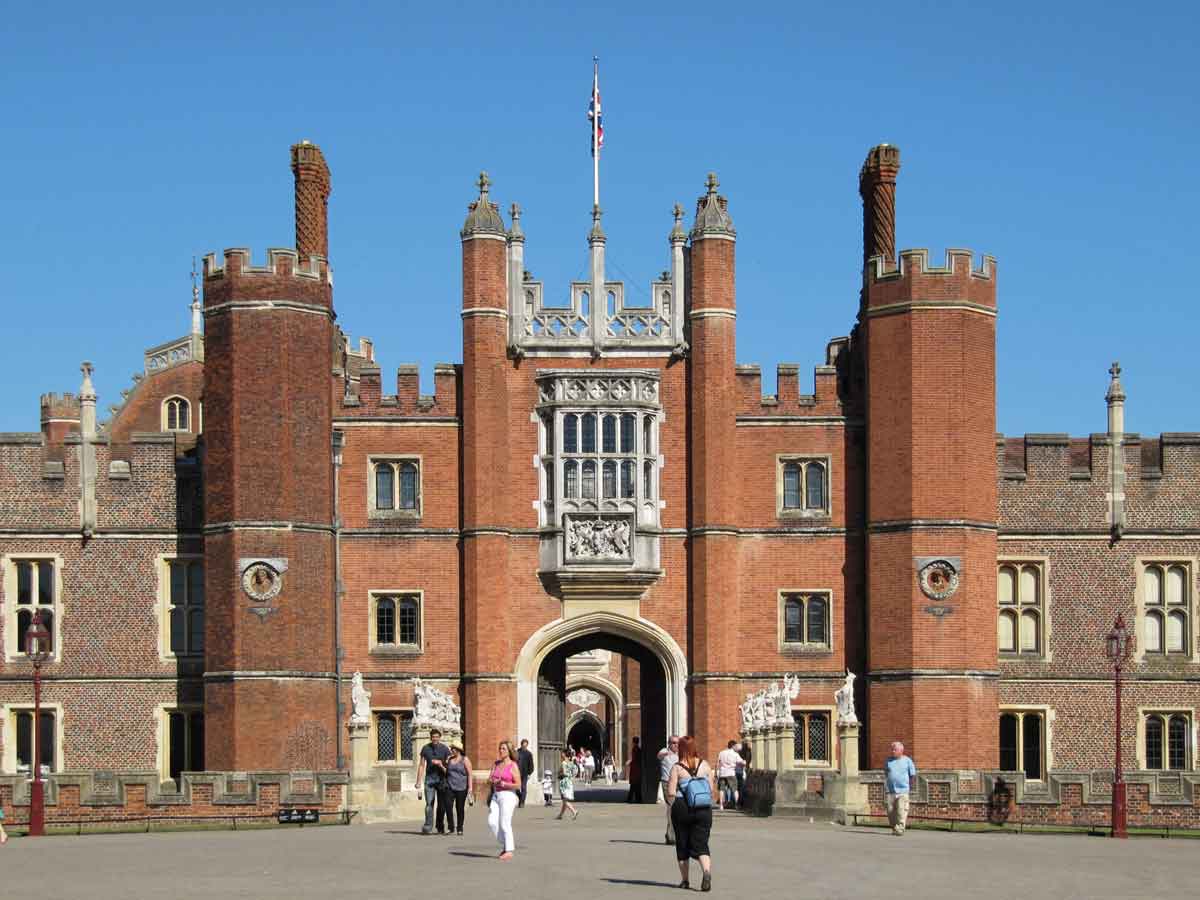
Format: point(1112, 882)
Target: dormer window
point(176, 414)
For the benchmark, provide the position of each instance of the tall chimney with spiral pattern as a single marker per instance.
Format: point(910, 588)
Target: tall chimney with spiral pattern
point(312, 200)
point(877, 186)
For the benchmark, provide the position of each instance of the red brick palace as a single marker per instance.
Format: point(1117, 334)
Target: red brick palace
point(258, 519)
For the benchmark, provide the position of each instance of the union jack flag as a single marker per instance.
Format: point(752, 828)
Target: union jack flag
point(595, 116)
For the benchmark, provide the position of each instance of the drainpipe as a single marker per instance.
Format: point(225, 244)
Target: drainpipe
point(339, 440)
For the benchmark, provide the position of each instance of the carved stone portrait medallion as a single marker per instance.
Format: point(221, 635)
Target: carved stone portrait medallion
point(938, 579)
point(262, 581)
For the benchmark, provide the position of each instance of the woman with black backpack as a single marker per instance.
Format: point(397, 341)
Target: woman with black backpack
point(690, 792)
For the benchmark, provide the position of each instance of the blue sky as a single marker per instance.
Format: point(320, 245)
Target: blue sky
point(1060, 138)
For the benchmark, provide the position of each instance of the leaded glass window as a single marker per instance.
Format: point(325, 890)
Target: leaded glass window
point(1020, 608)
point(397, 486)
point(408, 485)
point(571, 479)
point(1168, 738)
point(385, 621)
point(806, 620)
point(610, 480)
point(810, 737)
point(393, 736)
point(186, 605)
point(628, 432)
point(1022, 743)
point(610, 435)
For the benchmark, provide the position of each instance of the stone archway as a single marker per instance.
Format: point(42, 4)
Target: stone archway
point(612, 693)
point(634, 637)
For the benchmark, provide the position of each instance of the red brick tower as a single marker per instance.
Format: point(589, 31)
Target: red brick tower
point(713, 408)
point(270, 698)
point(489, 694)
point(931, 486)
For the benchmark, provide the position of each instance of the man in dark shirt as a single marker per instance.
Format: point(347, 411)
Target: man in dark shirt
point(431, 777)
point(635, 772)
point(525, 764)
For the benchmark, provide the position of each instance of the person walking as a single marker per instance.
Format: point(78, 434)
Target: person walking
point(634, 764)
point(525, 764)
point(505, 781)
point(727, 763)
point(898, 772)
point(609, 770)
point(667, 757)
point(566, 785)
point(460, 783)
point(743, 771)
point(589, 767)
point(690, 792)
point(431, 777)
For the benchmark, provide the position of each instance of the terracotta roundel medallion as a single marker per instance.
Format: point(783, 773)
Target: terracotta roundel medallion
point(261, 581)
point(938, 579)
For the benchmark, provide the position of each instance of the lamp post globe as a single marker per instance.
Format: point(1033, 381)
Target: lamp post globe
point(1118, 647)
point(37, 649)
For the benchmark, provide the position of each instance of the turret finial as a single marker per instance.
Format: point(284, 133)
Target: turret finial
point(195, 299)
point(1116, 393)
point(712, 214)
point(677, 232)
point(86, 390)
point(483, 216)
point(515, 233)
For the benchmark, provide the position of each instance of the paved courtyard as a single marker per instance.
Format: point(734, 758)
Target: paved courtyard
point(613, 850)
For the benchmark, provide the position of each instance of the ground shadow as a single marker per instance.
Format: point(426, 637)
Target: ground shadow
point(631, 841)
point(418, 833)
point(640, 881)
point(475, 855)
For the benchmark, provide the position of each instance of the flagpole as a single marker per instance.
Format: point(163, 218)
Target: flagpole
point(595, 131)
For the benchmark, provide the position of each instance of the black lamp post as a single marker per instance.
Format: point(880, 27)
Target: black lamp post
point(37, 648)
point(1118, 647)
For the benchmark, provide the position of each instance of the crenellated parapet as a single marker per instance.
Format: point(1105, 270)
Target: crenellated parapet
point(369, 401)
point(1035, 459)
point(787, 399)
point(915, 283)
point(284, 279)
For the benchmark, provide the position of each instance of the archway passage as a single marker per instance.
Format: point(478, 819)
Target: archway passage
point(646, 713)
point(585, 735)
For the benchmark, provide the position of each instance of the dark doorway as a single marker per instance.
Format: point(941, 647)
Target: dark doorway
point(647, 722)
point(585, 735)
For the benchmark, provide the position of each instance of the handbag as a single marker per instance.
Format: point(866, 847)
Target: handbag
point(470, 799)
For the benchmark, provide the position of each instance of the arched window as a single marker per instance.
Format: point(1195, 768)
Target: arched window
point(570, 478)
point(385, 621)
point(176, 414)
point(647, 430)
point(791, 485)
point(35, 591)
point(409, 485)
point(610, 480)
point(385, 492)
point(628, 483)
point(1166, 609)
point(1020, 619)
point(407, 621)
point(814, 484)
point(647, 480)
point(398, 620)
point(610, 435)
point(806, 619)
point(628, 432)
point(589, 479)
point(1177, 743)
point(589, 433)
point(816, 620)
point(1008, 742)
point(1022, 743)
point(570, 433)
point(793, 620)
point(1154, 742)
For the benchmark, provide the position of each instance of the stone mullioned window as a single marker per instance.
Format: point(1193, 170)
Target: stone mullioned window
point(393, 736)
point(805, 620)
point(802, 486)
point(396, 626)
point(1165, 608)
point(1021, 608)
point(1023, 742)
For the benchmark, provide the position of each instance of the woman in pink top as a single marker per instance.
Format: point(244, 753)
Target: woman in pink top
point(506, 781)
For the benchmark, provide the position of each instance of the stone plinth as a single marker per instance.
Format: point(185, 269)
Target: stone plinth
point(845, 791)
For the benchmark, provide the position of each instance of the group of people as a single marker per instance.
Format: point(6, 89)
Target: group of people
point(690, 788)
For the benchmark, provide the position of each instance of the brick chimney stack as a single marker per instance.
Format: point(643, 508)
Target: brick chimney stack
point(312, 200)
point(877, 186)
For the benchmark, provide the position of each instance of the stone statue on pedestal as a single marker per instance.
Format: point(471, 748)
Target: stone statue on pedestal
point(360, 697)
point(844, 698)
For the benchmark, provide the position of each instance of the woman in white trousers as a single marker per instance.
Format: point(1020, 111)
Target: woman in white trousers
point(506, 782)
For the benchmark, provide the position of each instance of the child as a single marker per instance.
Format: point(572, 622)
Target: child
point(566, 785)
point(548, 787)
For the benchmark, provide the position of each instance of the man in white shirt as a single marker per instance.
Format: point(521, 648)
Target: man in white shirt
point(667, 757)
point(727, 763)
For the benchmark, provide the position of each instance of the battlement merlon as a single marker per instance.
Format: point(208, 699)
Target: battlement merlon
point(408, 401)
point(285, 277)
point(914, 282)
point(56, 406)
point(787, 399)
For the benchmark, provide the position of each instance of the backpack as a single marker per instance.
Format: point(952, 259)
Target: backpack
point(696, 792)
